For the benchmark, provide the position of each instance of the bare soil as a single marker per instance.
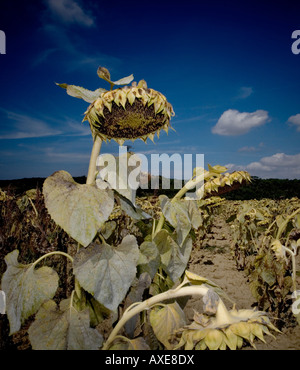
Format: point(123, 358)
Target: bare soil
point(213, 260)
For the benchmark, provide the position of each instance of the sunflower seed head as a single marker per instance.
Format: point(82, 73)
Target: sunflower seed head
point(144, 112)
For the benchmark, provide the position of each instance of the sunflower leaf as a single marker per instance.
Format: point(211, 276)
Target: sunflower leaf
point(124, 80)
point(165, 321)
point(106, 271)
point(149, 259)
point(173, 257)
point(82, 93)
point(177, 213)
point(103, 73)
point(81, 210)
point(122, 343)
point(63, 328)
point(26, 289)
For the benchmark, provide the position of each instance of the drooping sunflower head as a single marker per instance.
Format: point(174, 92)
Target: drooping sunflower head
point(125, 113)
point(129, 113)
point(231, 330)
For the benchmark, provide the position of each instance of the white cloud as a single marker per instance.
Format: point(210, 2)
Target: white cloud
point(69, 12)
point(56, 154)
point(232, 122)
point(279, 165)
point(295, 120)
point(244, 92)
point(23, 126)
point(248, 149)
point(251, 148)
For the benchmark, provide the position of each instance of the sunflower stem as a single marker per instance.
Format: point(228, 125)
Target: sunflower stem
point(93, 159)
point(89, 181)
point(51, 254)
point(149, 303)
point(188, 186)
point(293, 266)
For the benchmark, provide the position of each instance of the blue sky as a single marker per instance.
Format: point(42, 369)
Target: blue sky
point(227, 67)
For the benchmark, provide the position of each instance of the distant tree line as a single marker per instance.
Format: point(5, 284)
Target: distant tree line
point(257, 189)
point(266, 188)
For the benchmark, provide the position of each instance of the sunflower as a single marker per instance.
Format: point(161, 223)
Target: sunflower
point(125, 113)
point(226, 329)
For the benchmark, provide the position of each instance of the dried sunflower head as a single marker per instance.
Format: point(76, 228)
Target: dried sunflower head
point(126, 113)
point(129, 113)
point(230, 331)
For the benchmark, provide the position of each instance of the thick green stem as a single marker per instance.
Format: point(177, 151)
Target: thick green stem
point(150, 302)
point(94, 155)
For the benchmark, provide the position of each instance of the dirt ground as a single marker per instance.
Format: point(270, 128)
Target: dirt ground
point(214, 261)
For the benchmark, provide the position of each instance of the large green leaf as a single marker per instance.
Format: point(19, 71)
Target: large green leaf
point(82, 93)
point(26, 289)
point(80, 210)
point(174, 258)
point(106, 271)
point(63, 328)
point(165, 321)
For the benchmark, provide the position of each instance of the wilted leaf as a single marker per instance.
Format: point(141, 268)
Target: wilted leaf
point(149, 259)
point(116, 172)
point(123, 175)
point(134, 211)
point(105, 75)
point(82, 93)
point(108, 228)
point(177, 213)
point(136, 295)
point(2, 302)
point(165, 321)
point(124, 80)
point(268, 276)
point(194, 214)
point(297, 221)
point(216, 169)
point(210, 302)
point(63, 328)
point(173, 258)
point(122, 343)
point(80, 210)
point(106, 271)
point(195, 279)
point(256, 290)
point(26, 289)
